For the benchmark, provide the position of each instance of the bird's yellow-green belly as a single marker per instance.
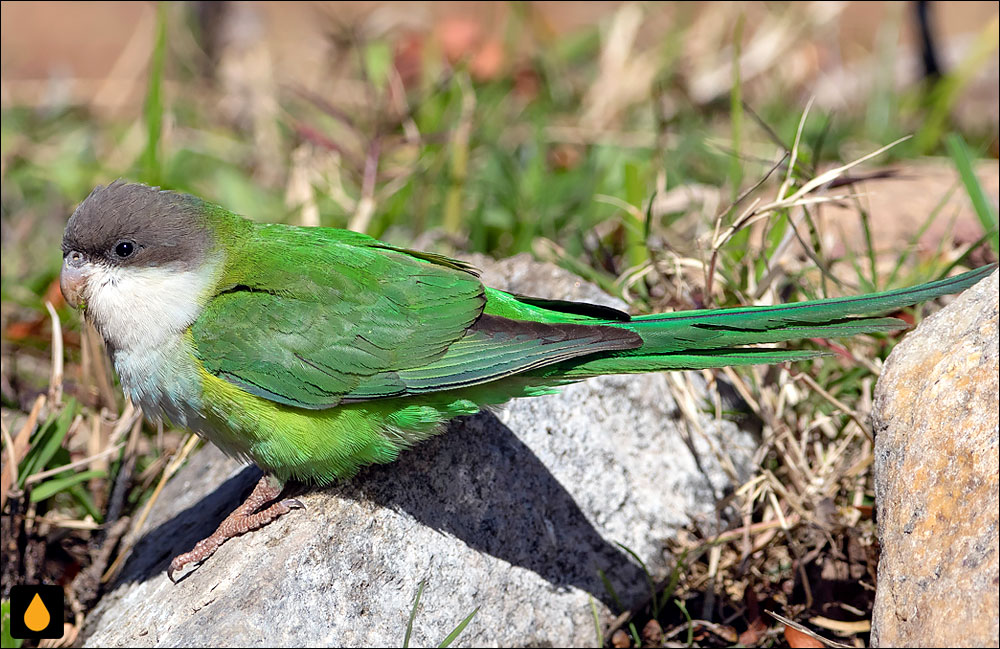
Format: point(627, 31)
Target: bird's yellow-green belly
point(319, 446)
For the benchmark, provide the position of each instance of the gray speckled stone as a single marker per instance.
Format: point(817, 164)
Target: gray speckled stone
point(937, 482)
point(512, 512)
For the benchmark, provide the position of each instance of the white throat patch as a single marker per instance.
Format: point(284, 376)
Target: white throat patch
point(137, 308)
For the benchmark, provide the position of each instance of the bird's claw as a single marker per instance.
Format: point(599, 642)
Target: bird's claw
point(293, 503)
point(243, 519)
point(185, 569)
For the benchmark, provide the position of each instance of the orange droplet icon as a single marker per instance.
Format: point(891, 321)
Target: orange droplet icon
point(37, 616)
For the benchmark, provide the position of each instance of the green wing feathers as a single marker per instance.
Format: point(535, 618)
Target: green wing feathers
point(334, 310)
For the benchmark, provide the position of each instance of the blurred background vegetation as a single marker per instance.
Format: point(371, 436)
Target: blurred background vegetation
point(679, 155)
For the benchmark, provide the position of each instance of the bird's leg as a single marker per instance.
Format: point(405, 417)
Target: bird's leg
point(244, 518)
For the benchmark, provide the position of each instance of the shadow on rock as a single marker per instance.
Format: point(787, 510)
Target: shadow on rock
point(478, 483)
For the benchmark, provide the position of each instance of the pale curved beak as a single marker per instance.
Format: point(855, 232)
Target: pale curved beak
point(73, 278)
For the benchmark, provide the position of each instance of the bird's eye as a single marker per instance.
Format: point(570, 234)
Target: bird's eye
point(124, 249)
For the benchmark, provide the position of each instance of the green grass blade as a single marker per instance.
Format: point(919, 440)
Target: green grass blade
point(675, 576)
point(458, 629)
point(865, 283)
point(736, 113)
point(687, 616)
point(610, 590)
point(649, 579)
point(153, 111)
point(597, 622)
point(959, 153)
point(47, 443)
point(413, 613)
point(636, 638)
point(635, 240)
point(82, 496)
point(54, 485)
point(964, 259)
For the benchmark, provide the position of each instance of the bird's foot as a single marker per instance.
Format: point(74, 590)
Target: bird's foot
point(244, 518)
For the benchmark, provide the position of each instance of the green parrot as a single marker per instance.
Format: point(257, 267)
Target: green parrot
point(315, 351)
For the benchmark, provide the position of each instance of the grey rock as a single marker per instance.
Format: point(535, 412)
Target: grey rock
point(937, 486)
point(512, 512)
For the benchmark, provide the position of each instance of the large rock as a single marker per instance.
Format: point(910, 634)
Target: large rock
point(937, 485)
point(513, 512)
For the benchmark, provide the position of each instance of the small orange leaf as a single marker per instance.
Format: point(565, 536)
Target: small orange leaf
point(620, 640)
point(798, 640)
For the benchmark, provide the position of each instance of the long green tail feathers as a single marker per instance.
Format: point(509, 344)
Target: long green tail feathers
point(715, 338)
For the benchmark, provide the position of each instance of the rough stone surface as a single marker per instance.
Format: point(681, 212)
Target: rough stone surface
point(937, 485)
point(512, 512)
